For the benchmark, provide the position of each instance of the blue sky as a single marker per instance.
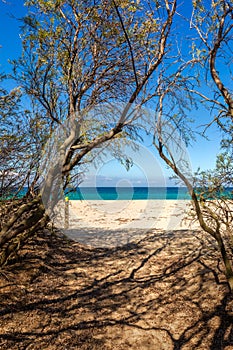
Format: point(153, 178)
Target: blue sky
point(10, 43)
point(202, 153)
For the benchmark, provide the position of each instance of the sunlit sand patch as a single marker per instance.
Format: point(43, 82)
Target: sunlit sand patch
point(114, 223)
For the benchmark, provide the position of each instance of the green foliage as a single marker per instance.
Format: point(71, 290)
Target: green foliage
point(22, 134)
point(76, 56)
point(214, 183)
point(12, 141)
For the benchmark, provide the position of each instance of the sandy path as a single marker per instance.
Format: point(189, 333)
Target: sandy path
point(143, 214)
point(113, 223)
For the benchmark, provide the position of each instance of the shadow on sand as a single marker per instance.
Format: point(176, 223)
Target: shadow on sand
point(162, 291)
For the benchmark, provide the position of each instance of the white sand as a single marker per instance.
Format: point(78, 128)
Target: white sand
point(106, 222)
point(143, 214)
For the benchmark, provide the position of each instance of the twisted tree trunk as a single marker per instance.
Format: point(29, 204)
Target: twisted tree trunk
point(19, 222)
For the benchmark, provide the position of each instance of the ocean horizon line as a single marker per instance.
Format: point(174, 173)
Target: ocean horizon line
point(131, 193)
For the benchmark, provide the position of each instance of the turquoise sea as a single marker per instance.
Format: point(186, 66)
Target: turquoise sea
point(136, 193)
point(128, 193)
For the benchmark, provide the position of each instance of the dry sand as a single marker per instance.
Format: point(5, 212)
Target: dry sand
point(114, 223)
point(145, 282)
point(164, 292)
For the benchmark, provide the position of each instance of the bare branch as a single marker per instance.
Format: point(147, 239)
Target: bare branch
point(128, 41)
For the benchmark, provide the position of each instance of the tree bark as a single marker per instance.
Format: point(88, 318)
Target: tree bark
point(27, 219)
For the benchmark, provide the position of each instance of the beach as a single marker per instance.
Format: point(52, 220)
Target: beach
point(126, 275)
point(112, 223)
point(163, 291)
point(108, 223)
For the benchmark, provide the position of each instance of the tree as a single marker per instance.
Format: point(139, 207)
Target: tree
point(20, 136)
point(213, 25)
point(11, 142)
point(77, 55)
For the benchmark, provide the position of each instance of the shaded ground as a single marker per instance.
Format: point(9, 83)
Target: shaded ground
point(163, 292)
